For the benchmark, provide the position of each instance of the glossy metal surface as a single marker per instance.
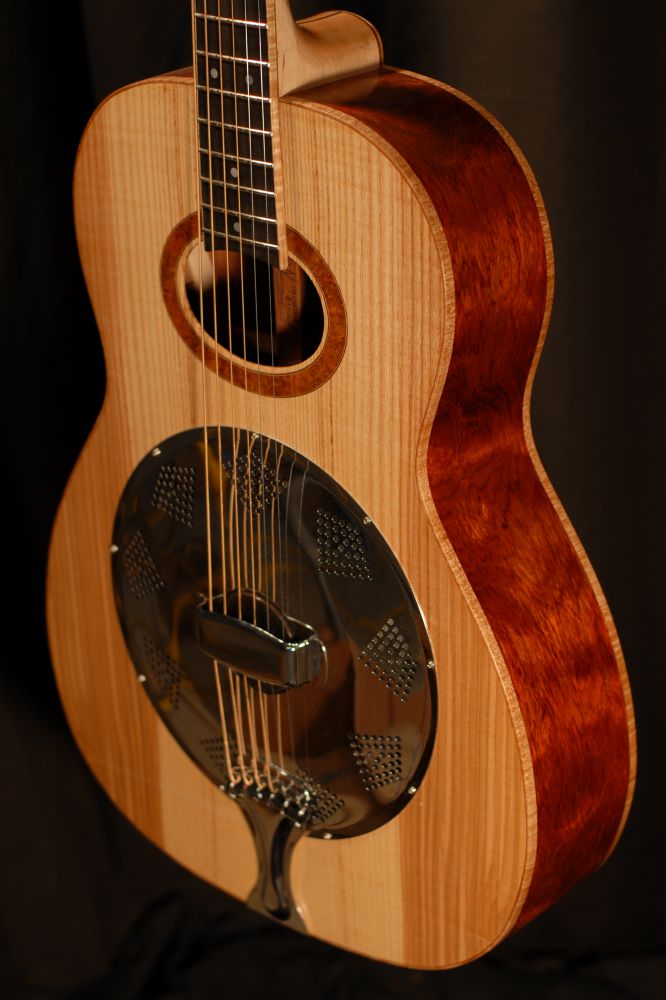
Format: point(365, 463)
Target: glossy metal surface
point(340, 754)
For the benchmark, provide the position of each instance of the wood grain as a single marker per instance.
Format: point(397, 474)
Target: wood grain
point(525, 572)
point(306, 53)
point(324, 47)
point(449, 876)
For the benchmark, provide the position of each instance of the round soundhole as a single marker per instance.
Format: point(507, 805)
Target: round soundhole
point(276, 333)
point(273, 630)
point(261, 315)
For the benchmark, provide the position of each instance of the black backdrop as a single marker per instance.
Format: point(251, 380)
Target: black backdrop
point(87, 907)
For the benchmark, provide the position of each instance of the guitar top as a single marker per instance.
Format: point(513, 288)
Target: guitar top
point(320, 625)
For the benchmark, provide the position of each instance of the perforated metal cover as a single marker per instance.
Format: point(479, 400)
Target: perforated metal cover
point(327, 804)
point(142, 574)
point(214, 749)
point(162, 674)
point(388, 657)
point(342, 548)
point(378, 758)
point(174, 492)
point(277, 522)
point(255, 480)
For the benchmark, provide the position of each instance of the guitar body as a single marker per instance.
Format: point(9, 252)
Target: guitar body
point(425, 234)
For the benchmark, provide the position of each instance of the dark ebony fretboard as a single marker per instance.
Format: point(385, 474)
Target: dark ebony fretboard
point(234, 127)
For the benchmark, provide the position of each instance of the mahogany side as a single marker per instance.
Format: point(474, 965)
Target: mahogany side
point(527, 570)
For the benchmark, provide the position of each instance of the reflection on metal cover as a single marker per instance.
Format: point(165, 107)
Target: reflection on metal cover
point(296, 674)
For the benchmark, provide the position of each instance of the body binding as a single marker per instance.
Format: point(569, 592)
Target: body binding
point(533, 763)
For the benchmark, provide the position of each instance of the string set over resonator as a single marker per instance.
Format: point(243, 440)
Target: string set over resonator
point(238, 230)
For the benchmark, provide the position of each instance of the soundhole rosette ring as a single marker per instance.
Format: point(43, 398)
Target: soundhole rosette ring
point(306, 376)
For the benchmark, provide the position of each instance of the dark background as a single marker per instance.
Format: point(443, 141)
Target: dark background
point(87, 907)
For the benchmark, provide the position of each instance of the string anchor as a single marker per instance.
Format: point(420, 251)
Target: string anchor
point(284, 654)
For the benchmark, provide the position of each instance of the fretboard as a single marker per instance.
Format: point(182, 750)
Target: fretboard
point(235, 139)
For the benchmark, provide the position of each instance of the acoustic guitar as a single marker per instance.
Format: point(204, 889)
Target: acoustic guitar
point(320, 625)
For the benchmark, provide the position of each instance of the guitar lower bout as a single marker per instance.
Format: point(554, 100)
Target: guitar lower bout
point(406, 411)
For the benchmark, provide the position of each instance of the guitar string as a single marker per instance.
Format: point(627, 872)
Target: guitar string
point(212, 263)
point(203, 323)
point(238, 722)
point(247, 497)
point(223, 719)
point(286, 597)
point(237, 704)
point(249, 526)
point(203, 346)
point(232, 773)
point(221, 706)
point(261, 548)
point(235, 503)
point(301, 615)
point(277, 575)
point(278, 699)
point(286, 700)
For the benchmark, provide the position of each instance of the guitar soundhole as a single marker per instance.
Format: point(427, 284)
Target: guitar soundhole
point(260, 314)
point(295, 321)
point(296, 675)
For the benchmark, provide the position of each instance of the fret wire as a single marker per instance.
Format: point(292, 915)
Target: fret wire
point(233, 142)
point(217, 167)
point(232, 93)
point(241, 187)
point(231, 156)
point(238, 238)
point(240, 59)
point(233, 125)
point(231, 213)
point(232, 20)
point(229, 73)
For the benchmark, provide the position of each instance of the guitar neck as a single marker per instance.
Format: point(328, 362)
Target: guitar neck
point(235, 49)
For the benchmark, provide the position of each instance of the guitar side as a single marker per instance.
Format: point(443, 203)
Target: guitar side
point(527, 569)
point(455, 871)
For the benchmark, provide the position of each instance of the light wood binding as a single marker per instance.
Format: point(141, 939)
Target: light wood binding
point(448, 877)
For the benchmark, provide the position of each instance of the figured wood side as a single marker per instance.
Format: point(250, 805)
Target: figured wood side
point(445, 879)
point(518, 553)
point(575, 541)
